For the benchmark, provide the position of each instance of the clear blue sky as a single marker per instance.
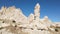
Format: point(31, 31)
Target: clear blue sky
point(50, 8)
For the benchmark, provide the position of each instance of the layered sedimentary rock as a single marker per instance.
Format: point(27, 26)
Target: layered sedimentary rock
point(13, 21)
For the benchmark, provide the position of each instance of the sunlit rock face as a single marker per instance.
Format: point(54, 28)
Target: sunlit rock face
point(31, 18)
point(13, 13)
point(13, 21)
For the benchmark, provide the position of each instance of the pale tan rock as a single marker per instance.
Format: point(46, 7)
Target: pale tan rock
point(31, 18)
point(14, 14)
point(13, 21)
point(46, 21)
point(37, 12)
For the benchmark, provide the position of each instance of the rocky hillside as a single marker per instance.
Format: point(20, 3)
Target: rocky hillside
point(13, 21)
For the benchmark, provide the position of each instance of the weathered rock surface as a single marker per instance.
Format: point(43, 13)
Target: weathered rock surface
point(13, 21)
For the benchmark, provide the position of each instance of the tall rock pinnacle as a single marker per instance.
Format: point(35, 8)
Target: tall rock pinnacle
point(37, 11)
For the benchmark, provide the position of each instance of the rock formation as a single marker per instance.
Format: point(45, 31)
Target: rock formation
point(13, 21)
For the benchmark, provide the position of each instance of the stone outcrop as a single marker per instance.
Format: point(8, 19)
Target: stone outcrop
point(12, 13)
point(13, 21)
point(31, 18)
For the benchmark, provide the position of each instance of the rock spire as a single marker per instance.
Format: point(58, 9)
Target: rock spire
point(37, 12)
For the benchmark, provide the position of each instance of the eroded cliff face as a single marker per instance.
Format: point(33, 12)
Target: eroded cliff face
point(13, 21)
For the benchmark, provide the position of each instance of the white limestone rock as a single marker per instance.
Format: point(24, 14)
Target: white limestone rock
point(31, 18)
point(13, 21)
point(13, 13)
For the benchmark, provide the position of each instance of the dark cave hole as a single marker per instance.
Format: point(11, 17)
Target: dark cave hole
point(15, 25)
point(3, 22)
point(13, 21)
point(31, 28)
point(56, 30)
